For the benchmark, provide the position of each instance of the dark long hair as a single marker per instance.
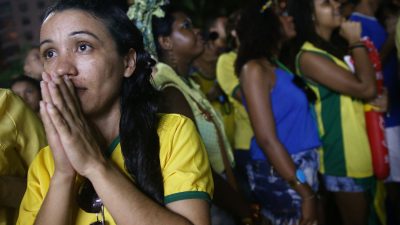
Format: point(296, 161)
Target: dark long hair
point(138, 125)
point(259, 33)
point(303, 12)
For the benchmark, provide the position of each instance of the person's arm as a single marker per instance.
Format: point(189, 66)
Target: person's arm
point(324, 71)
point(257, 79)
point(126, 203)
point(57, 206)
point(173, 101)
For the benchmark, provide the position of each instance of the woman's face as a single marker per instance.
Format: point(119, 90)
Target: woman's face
point(186, 40)
point(29, 93)
point(327, 14)
point(287, 23)
point(33, 67)
point(75, 44)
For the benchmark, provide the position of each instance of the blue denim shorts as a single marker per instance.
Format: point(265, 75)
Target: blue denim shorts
point(280, 203)
point(341, 184)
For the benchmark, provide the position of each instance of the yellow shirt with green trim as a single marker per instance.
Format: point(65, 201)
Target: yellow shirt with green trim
point(183, 159)
point(229, 83)
point(21, 137)
point(341, 122)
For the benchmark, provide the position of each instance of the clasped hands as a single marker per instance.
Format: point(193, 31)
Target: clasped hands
point(71, 140)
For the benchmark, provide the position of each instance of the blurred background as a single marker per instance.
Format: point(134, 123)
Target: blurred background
point(20, 23)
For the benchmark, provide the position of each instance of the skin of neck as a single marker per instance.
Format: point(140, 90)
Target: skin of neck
point(324, 33)
point(206, 63)
point(179, 64)
point(106, 124)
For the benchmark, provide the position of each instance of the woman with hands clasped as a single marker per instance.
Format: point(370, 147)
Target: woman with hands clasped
point(346, 165)
point(97, 93)
point(284, 160)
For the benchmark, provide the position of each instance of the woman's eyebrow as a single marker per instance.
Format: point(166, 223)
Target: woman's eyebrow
point(44, 42)
point(85, 32)
point(73, 34)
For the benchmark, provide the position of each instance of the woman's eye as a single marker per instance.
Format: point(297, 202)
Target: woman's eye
point(187, 25)
point(49, 54)
point(83, 47)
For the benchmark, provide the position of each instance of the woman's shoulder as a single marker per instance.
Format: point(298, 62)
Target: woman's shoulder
point(258, 67)
point(170, 121)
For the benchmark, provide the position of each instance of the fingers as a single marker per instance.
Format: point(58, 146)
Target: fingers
point(48, 124)
point(44, 88)
point(74, 98)
point(60, 92)
point(67, 92)
point(58, 100)
point(60, 125)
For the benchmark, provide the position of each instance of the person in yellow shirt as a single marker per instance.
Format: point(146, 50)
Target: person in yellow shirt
point(112, 159)
point(21, 137)
point(229, 83)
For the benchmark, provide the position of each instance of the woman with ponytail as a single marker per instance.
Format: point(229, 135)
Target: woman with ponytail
point(284, 159)
point(96, 93)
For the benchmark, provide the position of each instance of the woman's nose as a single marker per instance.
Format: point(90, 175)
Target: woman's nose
point(64, 65)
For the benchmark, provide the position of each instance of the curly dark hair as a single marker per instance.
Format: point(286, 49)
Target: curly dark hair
point(260, 34)
point(138, 125)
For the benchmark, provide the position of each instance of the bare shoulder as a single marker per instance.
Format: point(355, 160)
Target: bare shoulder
point(173, 101)
point(257, 66)
point(259, 71)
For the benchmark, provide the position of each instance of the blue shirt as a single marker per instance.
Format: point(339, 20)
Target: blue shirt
point(378, 35)
point(295, 126)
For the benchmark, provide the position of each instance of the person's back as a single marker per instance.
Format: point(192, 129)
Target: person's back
point(21, 138)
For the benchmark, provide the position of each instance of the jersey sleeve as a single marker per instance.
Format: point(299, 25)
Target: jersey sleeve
point(226, 75)
point(184, 161)
point(30, 132)
point(39, 176)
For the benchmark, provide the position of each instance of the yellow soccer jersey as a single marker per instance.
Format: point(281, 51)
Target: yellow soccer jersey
point(229, 83)
point(184, 164)
point(21, 137)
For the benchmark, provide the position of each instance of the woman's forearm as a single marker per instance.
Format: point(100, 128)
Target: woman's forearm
point(126, 203)
point(365, 71)
point(58, 206)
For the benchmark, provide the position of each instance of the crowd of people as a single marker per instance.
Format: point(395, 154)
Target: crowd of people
point(258, 117)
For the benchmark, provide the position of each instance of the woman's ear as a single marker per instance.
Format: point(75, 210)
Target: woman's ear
point(165, 42)
point(130, 63)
